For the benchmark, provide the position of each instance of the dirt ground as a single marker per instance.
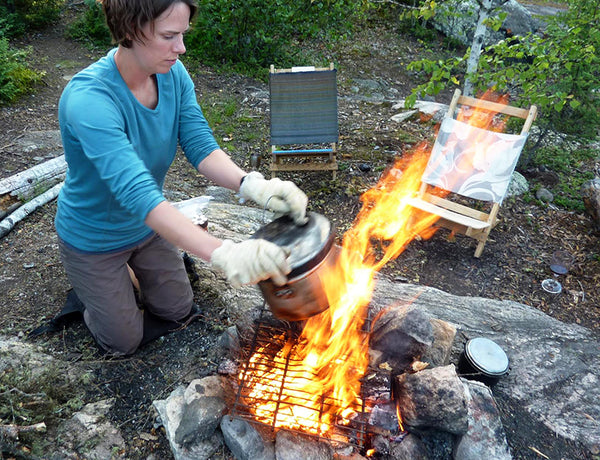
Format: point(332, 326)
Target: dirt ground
point(515, 261)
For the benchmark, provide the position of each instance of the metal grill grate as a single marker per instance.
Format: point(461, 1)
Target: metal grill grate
point(271, 356)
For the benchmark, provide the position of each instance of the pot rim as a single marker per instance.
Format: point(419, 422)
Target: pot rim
point(487, 357)
point(274, 230)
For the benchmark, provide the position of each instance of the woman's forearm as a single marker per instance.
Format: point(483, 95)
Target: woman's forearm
point(220, 169)
point(176, 228)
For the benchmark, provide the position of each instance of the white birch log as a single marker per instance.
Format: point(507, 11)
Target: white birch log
point(13, 431)
point(7, 224)
point(29, 183)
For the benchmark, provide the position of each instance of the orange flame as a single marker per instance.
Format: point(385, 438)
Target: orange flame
point(331, 355)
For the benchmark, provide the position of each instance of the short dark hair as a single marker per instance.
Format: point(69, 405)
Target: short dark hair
point(125, 18)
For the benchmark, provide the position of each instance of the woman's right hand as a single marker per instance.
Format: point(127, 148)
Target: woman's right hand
point(251, 261)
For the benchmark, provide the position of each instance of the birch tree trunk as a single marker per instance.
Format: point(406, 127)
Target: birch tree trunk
point(485, 7)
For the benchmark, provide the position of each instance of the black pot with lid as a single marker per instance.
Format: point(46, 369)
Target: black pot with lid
point(311, 250)
point(483, 360)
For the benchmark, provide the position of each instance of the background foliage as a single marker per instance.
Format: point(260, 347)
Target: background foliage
point(250, 35)
point(557, 70)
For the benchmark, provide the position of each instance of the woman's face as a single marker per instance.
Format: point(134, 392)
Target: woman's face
point(163, 44)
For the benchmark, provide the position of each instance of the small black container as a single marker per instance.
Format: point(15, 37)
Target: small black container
point(483, 360)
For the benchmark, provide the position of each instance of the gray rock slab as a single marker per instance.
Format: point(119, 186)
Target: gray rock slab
point(554, 367)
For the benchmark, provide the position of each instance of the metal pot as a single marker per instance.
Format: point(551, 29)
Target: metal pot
point(483, 360)
point(312, 250)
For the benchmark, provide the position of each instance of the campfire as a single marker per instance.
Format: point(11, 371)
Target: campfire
point(310, 381)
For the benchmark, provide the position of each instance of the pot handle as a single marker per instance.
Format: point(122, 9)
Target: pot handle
point(284, 292)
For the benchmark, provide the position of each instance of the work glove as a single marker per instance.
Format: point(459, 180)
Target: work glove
point(251, 261)
point(282, 197)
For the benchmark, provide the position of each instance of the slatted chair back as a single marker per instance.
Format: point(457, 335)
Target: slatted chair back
point(304, 130)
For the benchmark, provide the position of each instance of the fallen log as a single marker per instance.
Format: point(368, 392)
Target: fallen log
point(13, 431)
point(7, 224)
point(22, 187)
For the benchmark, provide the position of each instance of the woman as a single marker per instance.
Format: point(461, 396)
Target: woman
point(121, 121)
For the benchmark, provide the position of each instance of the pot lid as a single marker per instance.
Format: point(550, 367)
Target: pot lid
point(307, 244)
point(487, 356)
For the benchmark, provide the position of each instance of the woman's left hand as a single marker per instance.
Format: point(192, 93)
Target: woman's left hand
point(282, 197)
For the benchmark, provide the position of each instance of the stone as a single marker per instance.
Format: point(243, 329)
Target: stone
point(590, 193)
point(409, 448)
point(545, 195)
point(555, 367)
point(171, 411)
point(400, 335)
point(485, 436)
point(244, 441)
point(518, 185)
point(91, 434)
point(458, 20)
point(292, 446)
point(229, 342)
point(444, 333)
point(432, 398)
point(199, 420)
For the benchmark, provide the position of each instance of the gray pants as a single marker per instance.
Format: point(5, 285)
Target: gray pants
point(103, 284)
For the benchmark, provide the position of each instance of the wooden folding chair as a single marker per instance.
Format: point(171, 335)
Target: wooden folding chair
point(470, 168)
point(304, 119)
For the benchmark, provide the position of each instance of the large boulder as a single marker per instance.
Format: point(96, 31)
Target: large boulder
point(458, 18)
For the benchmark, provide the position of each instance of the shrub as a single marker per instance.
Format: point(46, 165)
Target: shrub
point(16, 78)
point(557, 70)
point(564, 162)
point(252, 34)
point(90, 28)
point(19, 16)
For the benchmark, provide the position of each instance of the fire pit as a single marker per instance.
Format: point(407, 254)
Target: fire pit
point(274, 389)
point(309, 377)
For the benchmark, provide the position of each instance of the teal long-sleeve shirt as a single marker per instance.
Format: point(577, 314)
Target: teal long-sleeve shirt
point(118, 153)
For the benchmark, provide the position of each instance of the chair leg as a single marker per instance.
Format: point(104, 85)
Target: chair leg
point(479, 249)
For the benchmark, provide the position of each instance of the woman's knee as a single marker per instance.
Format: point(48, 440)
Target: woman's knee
point(117, 339)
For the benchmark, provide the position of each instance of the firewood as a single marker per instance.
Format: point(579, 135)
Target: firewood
point(27, 184)
point(13, 431)
point(7, 224)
